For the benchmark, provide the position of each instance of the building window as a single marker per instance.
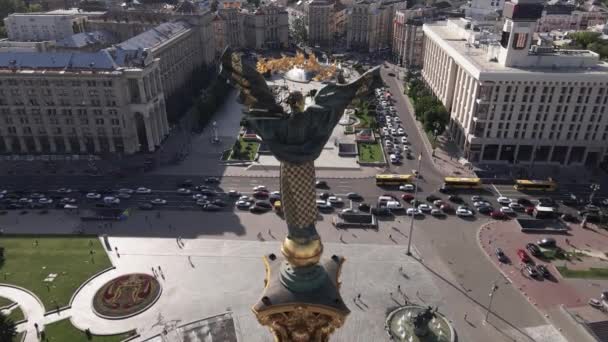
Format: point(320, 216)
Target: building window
point(99, 121)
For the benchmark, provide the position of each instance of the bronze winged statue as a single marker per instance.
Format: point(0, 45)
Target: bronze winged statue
point(296, 134)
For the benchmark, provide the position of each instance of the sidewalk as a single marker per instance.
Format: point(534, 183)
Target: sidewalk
point(446, 156)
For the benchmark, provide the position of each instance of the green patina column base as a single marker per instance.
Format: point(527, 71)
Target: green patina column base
point(302, 279)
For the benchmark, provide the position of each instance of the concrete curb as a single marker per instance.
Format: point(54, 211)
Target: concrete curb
point(8, 307)
point(581, 327)
point(89, 280)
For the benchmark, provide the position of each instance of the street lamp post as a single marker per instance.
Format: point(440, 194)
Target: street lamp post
point(409, 239)
point(594, 187)
point(492, 290)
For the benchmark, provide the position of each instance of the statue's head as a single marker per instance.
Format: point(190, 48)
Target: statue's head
point(295, 100)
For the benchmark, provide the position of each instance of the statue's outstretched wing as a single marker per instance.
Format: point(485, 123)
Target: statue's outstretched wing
point(338, 96)
point(254, 90)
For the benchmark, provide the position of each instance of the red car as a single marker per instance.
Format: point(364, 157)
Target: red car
point(261, 194)
point(523, 256)
point(530, 210)
point(446, 208)
point(497, 215)
point(407, 197)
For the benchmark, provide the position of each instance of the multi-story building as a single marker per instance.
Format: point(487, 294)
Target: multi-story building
point(321, 23)
point(266, 28)
point(408, 37)
point(516, 101)
point(176, 46)
point(370, 24)
point(566, 17)
point(109, 101)
point(25, 27)
point(483, 9)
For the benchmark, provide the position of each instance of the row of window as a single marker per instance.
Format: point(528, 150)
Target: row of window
point(57, 83)
point(60, 130)
point(547, 135)
point(54, 111)
point(544, 117)
point(62, 102)
point(68, 121)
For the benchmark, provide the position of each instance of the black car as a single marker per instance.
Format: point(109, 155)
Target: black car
point(485, 209)
point(13, 206)
point(502, 257)
point(381, 211)
point(546, 242)
point(542, 270)
point(570, 218)
point(186, 183)
point(325, 195)
point(533, 249)
point(212, 180)
point(455, 199)
point(208, 192)
point(219, 203)
point(321, 185)
point(263, 204)
point(211, 207)
point(364, 207)
point(571, 201)
point(546, 202)
point(443, 190)
point(146, 206)
point(525, 202)
point(432, 198)
point(354, 196)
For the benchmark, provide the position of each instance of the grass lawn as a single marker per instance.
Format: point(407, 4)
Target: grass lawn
point(16, 314)
point(366, 120)
point(370, 153)
point(247, 154)
point(63, 330)
point(5, 302)
point(18, 337)
point(27, 265)
point(591, 273)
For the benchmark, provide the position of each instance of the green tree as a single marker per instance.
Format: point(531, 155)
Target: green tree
point(298, 30)
point(422, 104)
point(583, 39)
point(236, 150)
point(436, 118)
point(7, 328)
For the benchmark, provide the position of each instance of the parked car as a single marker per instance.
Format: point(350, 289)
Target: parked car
point(531, 270)
point(485, 210)
point(158, 201)
point(500, 254)
point(142, 190)
point(498, 215)
point(507, 210)
point(243, 205)
point(523, 256)
point(425, 208)
point(477, 198)
point(260, 188)
point(438, 203)
point(432, 198)
point(324, 206)
point(234, 193)
point(211, 207)
point(547, 242)
point(455, 199)
point(325, 195)
point(414, 212)
point(570, 218)
point(111, 200)
point(407, 197)
point(464, 212)
point(394, 205)
point(212, 180)
point(381, 211)
point(533, 249)
point(525, 202)
point(126, 191)
point(184, 191)
point(542, 270)
point(364, 207)
point(546, 202)
point(503, 200)
point(516, 206)
point(354, 196)
point(321, 184)
point(437, 213)
point(186, 183)
point(335, 201)
point(93, 195)
point(446, 208)
point(261, 194)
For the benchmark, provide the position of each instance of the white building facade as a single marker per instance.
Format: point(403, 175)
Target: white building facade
point(35, 27)
point(516, 102)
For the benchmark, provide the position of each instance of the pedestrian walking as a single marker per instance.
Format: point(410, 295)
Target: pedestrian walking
point(359, 296)
point(400, 269)
point(465, 317)
point(399, 288)
point(390, 236)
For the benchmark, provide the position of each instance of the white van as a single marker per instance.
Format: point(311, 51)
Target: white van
point(394, 205)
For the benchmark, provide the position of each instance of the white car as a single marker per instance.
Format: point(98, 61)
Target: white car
point(516, 206)
point(394, 159)
point(93, 195)
point(481, 204)
point(202, 202)
point(389, 125)
point(70, 206)
point(503, 200)
point(245, 198)
point(197, 197)
point(506, 210)
point(464, 212)
point(437, 212)
point(111, 200)
point(393, 131)
point(234, 193)
point(392, 108)
point(244, 205)
point(388, 143)
point(425, 207)
point(25, 200)
point(401, 131)
point(388, 118)
point(407, 187)
point(158, 201)
point(45, 200)
point(385, 131)
point(126, 191)
point(404, 140)
point(476, 198)
point(413, 211)
point(143, 190)
point(406, 148)
point(334, 200)
point(184, 191)
point(397, 120)
point(260, 188)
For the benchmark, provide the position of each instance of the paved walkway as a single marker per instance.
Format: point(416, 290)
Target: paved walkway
point(32, 309)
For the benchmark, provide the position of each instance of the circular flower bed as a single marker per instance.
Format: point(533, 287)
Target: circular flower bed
point(126, 296)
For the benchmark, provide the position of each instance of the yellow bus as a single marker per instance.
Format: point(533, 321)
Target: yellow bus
point(392, 179)
point(532, 184)
point(461, 183)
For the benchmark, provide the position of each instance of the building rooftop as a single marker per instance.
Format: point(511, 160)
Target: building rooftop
point(156, 36)
point(68, 61)
point(476, 56)
point(84, 39)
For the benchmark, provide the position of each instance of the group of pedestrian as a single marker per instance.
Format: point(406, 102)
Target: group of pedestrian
point(180, 242)
point(158, 273)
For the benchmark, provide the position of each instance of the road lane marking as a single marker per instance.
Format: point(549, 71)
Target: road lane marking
point(496, 189)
